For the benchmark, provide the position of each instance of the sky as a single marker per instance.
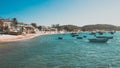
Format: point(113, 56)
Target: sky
point(76, 12)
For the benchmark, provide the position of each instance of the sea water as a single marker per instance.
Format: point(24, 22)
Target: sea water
point(49, 52)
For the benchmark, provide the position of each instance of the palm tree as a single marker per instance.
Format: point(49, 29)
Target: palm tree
point(15, 22)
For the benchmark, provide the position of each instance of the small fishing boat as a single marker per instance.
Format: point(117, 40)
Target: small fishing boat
point(84, 36)
point(108, 37)
point(92, 33)
point(99, 40)
point(100, 33)
point(74, 35)
point(111, 32)
point(60, 38)
point(79, 38)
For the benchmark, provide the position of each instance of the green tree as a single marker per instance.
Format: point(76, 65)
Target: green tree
point(71, 27)
point(39, 27)
point(56, 26)
point(34, 25)
point(15, 22)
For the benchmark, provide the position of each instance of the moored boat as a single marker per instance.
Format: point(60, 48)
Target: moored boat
point(60, 38)
point(108, 37)
point(111, 32)
point(79, 38)
point(84, 36)
point(99, 40)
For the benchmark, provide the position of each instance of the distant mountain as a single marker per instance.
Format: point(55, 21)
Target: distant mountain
point(70, 27)
point(106, 27)
point(66, 27)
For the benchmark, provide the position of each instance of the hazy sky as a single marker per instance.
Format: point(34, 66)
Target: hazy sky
point(77, 12)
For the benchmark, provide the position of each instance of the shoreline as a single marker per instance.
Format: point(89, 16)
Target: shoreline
point(14, 38)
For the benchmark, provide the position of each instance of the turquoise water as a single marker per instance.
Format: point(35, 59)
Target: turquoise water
point(49, 52)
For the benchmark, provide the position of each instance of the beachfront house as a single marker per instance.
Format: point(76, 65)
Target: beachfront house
point(5, 25)
point(22, 29)
point(8, 27)
point(50, 29)
point(28, 29)
point(53, 30)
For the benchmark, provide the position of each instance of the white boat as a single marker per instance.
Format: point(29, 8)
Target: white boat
point(100, 40)
point(108, 37)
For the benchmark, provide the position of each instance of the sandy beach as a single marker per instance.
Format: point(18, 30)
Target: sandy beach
point(12, 38)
